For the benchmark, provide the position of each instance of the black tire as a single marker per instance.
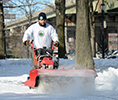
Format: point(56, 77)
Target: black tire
point(56, 64)
point(37, 81)
point(28, 78)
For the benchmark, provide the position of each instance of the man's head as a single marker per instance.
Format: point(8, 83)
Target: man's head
point(42, 19)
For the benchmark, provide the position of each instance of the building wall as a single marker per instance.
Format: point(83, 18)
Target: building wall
point(110, 32)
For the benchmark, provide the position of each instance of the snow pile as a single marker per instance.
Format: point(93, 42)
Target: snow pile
point(104, 64)
point(107, 80)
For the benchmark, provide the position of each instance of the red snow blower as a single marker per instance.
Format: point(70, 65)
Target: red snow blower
point(46, 65)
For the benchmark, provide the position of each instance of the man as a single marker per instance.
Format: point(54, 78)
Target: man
point(42, 33)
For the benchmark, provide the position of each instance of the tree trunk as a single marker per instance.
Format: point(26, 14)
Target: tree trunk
point(93, 40)
point(83, 56)
point(2, 35)
point(60, 21)
point(92, 27)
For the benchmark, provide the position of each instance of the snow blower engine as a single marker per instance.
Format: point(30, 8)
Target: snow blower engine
point(44, 58)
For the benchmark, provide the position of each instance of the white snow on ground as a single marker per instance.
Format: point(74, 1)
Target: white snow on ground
point(14, 72)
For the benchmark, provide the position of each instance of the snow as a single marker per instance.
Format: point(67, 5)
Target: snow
point(14, 72)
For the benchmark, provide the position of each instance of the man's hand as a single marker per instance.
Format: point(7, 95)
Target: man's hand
point(26, 43)
point(56, 43)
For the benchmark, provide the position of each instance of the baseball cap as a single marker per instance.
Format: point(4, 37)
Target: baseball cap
point(42, 16)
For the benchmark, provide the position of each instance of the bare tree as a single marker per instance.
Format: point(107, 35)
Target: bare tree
point(60, 19)
point(2, 35)
point(92, 28)
point(5, 1)
point(92, 25)
point(26, 7)
point(83, 57)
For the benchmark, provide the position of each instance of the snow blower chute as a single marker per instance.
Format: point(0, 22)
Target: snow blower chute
point(46, 66)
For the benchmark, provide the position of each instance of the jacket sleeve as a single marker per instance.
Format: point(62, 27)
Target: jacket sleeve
point(54, 35)
point(28, 34)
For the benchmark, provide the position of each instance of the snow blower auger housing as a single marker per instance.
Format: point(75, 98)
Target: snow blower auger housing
point(47, 68)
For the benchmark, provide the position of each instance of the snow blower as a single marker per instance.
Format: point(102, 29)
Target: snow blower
point(46, 69)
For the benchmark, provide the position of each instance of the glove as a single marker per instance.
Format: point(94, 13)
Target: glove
point(56, 43)
point(26, 43)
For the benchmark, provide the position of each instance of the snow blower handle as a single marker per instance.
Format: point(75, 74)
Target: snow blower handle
point(30, 42)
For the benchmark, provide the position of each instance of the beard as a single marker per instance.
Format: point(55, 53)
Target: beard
point(42, 25)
